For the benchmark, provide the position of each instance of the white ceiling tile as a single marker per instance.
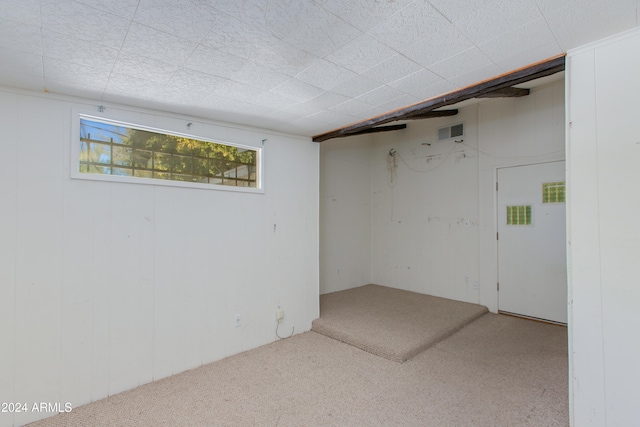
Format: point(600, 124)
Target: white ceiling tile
point(475, 76)
point(415, 22)
point(123, 8)
point(438, 89)
point(24, 11)
point(285, 59)
point(234, 90)
point(171, 95)
point(326, 100)
point(280, 117)
point(548, 7)
point(133, 87)
point(356, 86)
point(71, 73)
point(352, 107)
point(401, 102)
point(84, 23)
point(322, 33)
point(381, 95)
point(234, 106)
point(257, 75)
point(21, 62)
point(497, 17)
point(461, 63)
point(304, 109)
point(416, 84)
point(195, 81)
point(375, 111)
point(360, 54)
point(22, 37)
point(187, 19)
point(334, 118)
point(364, 14)
point(323, 60)
point(448, 42)
point(576, 26)
point(529, 57)
point(325, 75)
point(456, 10)
point(214, 62)
point(79, 52)
point(527, 37)
point(305, 126)
point(272, 101)
point(233, 36)
point(296, 90)
point(137, 66)
point(145, 41)
point(392, 69)
point(277, 17)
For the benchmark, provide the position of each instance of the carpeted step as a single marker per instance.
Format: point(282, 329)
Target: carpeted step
point(391, 323)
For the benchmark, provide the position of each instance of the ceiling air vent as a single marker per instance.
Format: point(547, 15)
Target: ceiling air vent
point(449, 132)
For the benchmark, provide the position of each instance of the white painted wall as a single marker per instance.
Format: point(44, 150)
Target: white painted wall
point(420, 238)
point(105, 286)
point(345, 213)
point(603, 157)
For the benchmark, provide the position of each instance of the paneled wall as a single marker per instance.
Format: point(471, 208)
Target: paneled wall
point(105, 286)
point(603, 141)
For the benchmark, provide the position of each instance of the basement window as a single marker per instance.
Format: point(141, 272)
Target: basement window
point(117, 151)
point(519, 215)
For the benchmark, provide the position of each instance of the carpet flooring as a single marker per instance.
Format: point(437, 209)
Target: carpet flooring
point(391, 323)
point(496, 371)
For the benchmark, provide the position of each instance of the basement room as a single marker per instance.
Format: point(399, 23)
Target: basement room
point(319, 213)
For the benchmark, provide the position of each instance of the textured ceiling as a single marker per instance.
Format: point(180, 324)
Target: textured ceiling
point(301, 66)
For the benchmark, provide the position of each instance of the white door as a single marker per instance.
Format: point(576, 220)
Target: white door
point(532, 267)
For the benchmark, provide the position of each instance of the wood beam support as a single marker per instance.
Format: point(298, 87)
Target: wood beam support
point(434, 114)
point(507, 92)
point(375, 130)
point(537, 70)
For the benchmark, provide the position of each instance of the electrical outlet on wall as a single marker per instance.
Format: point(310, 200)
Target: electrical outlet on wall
point(279, 313)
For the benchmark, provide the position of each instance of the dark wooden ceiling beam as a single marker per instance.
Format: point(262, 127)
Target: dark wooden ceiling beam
point(507, 92)
point(434, 114)
point(375, 130)
point(531, 72)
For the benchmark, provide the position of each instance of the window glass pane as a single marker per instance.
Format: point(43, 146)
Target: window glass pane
point(143, 174)
point(99, 153)
point(122, 156)
point(553, 192)
point(108, 148)
point(519, 215)
point(122, 172)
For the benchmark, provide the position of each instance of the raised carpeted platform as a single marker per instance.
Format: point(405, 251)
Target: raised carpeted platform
point(391, 323)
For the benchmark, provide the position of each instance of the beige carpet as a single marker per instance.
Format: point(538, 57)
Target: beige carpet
point(497, 371)
point(391, 323)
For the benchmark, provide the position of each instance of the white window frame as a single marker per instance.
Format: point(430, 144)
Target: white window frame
point(77, 115)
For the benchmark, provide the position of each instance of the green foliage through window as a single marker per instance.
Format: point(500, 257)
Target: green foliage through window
point(113, 149)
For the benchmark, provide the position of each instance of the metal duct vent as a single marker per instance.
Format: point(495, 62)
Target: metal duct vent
point(449, 132)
